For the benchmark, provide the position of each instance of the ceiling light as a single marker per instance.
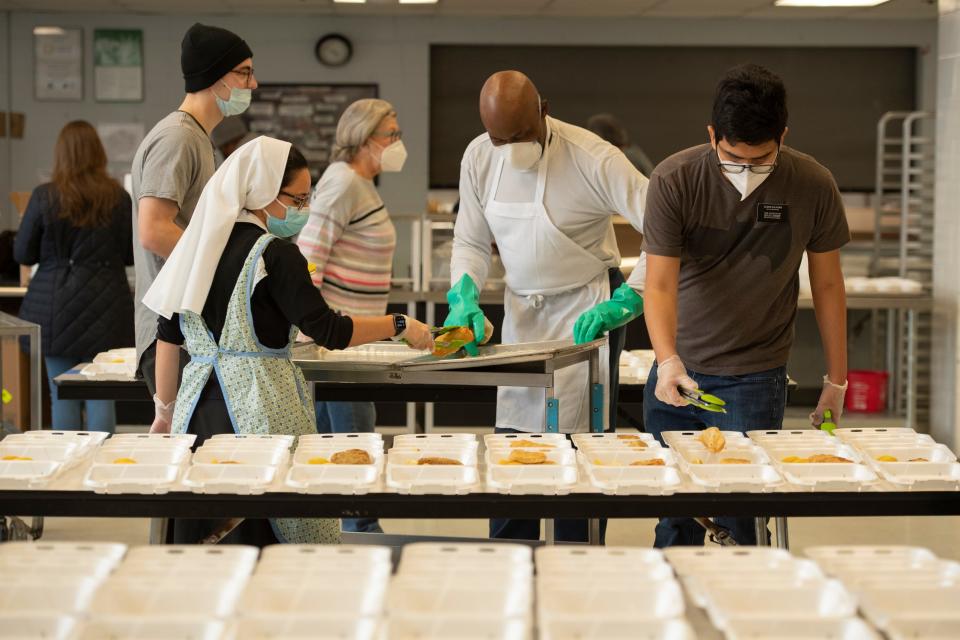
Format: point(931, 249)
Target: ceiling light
point(48, 31)
point(349, 1)
point(829, 3)
point(418, 1)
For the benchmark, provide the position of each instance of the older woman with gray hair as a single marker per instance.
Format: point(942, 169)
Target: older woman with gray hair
point(351, 240)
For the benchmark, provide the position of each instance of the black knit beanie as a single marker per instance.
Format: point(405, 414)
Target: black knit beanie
point(209, 53)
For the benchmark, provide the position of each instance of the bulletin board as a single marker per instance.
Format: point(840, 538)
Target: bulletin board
point(304, 114)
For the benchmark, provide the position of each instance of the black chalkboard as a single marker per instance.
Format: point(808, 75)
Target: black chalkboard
point(304, 114)
point(663, 96)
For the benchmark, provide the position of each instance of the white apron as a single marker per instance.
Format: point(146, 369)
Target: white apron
point(550, 280)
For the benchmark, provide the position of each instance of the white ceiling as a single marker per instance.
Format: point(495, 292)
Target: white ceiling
point(894, 9)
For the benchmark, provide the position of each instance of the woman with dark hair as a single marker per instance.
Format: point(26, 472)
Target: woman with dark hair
point(78, 228)
point(234, 292)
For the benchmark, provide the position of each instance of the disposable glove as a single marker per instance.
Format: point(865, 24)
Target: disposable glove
point(830, 398)
point(416, 335)
point(464, 301)
point(163, 415)
point(672, 374)
point(621, 308)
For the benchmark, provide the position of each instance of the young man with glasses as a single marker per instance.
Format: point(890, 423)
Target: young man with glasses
point(726, 226)
point(176, 159)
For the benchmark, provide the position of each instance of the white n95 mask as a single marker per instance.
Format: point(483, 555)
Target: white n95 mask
point(521, 155)
point(393, 157)
point(746, 182)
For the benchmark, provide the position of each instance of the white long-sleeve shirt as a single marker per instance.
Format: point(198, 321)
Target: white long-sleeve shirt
point(588, 182)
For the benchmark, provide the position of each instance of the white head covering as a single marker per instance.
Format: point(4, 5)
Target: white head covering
point(248, 180)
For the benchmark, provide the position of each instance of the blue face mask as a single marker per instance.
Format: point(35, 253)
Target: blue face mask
point(289, 226)
point(238, 103)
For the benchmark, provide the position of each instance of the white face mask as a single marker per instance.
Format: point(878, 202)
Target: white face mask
point(522, 156)
point(746, 182)
point(393, 157)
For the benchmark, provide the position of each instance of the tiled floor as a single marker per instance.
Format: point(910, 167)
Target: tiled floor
point(942, 535)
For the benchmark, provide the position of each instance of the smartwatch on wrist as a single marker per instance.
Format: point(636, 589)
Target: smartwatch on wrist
point(399, 324)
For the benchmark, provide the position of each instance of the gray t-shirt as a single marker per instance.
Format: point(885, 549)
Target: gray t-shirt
point(737, 297)
point(174, 162)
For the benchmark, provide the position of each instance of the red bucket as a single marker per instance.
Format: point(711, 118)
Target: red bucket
point(867, 391)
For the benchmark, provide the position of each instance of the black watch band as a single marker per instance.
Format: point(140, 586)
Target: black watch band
point(399, 323)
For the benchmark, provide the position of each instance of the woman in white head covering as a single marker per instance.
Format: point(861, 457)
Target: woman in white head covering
point(234, 293)
point(351, 240)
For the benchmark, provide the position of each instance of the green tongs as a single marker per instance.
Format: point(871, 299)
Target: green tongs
point(702, 400)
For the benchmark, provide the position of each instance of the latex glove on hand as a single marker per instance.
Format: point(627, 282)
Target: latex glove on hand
point(621, 308)
point(163, 415)
point(464, 301)
point(416, 335)
point(831, 398)
point(672, 374)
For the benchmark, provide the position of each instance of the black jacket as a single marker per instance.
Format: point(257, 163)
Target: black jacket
point(80, 295)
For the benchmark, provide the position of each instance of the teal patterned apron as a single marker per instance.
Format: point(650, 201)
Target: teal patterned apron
point(264, 391)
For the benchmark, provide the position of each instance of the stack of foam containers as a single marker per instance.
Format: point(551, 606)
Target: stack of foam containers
point(33, 459)
point(608, 593)
point(175, 591)
point(938, 470)
point(783, 446)
point(48, 586)
point(906, 592)
point(239, 464)
point(708, 471)
point(139, 463)
point(312, 471)
point(612, 463)
point(406, 473)
point(459, 591)
point(557, 476)
point(311, 591)
point(761, 592)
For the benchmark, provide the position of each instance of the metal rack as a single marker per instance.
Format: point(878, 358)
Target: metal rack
point(903, 247)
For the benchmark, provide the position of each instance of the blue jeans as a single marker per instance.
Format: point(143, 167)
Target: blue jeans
point(349, 417)
point(754, 401)
point(68, 414)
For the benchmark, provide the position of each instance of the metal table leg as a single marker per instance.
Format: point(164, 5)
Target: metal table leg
point(548, 532)
point(911, 369)
point(593, 525)
point(158, 530)
point(760, 525)
point(783, 539)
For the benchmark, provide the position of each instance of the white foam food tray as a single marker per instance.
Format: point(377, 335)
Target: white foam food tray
point(439, 628)
point(825, 600)
point(27, 594)
point(496, 455)
point(581, 440)
point(788, 436)
point(15, 626)
point(845, 629)
point(938, 572)
point(867, 555)
point(674, 438)
point(548, 440)
point(299, 555)
point(646, 601)
point(806, 448)
point(341, 594)
point(151, 439)
point(338, 439)
point(431, 439)
point(172, 597)
point(596, 559)
point(261, 439)
point(882, 605)
point(795, 573)
point(453, 596)
point(305, 628)
point(923, 629)
point(697, 560)
point(542, 479)
point(305, 453)
point(243, 479)
point(932, 476)
point(85, 440)
point(932, 453)
point(612, 471)
point(174, 455)
point(695, 452)
point(146, 479)
point(423, 554)
point(828, 476)
point(151, 628)
point(338, 479)
point(596, 629)
point(242, 455)
point(407, 476)
point(27, 474)
point(38, 451)
point(63, 552)
point(734, 477)
point(220, 561)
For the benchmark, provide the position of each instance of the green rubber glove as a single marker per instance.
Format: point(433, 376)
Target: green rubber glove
point(464, 301)
point(624, 306)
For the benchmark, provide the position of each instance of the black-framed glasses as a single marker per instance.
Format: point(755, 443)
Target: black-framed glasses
point(393, 136)
point(246, 73)
point(298, 201)
point(736, 167)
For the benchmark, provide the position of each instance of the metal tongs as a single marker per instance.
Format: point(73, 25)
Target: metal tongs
point(703, 400)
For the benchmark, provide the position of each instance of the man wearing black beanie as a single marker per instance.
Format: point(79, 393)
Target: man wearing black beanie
point(176, 159)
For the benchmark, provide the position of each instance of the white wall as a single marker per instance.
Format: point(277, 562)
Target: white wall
point(945, 410)
point(4, 106)
point(393, 52)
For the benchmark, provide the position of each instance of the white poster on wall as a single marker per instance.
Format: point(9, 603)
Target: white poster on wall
point(121, 139)
point(118, 65)
point(58, 63)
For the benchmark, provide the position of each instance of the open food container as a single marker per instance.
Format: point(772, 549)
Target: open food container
point(548, 478)
point(146, 479)
point(304, 557)
point(27, 474)
point(822, 600)
point(674, 438)
point(661, 600)
point(336, 594)
point(432, 471)
point(509, 440)
point(241, 479)
point(151, 628)
point(629, 472)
